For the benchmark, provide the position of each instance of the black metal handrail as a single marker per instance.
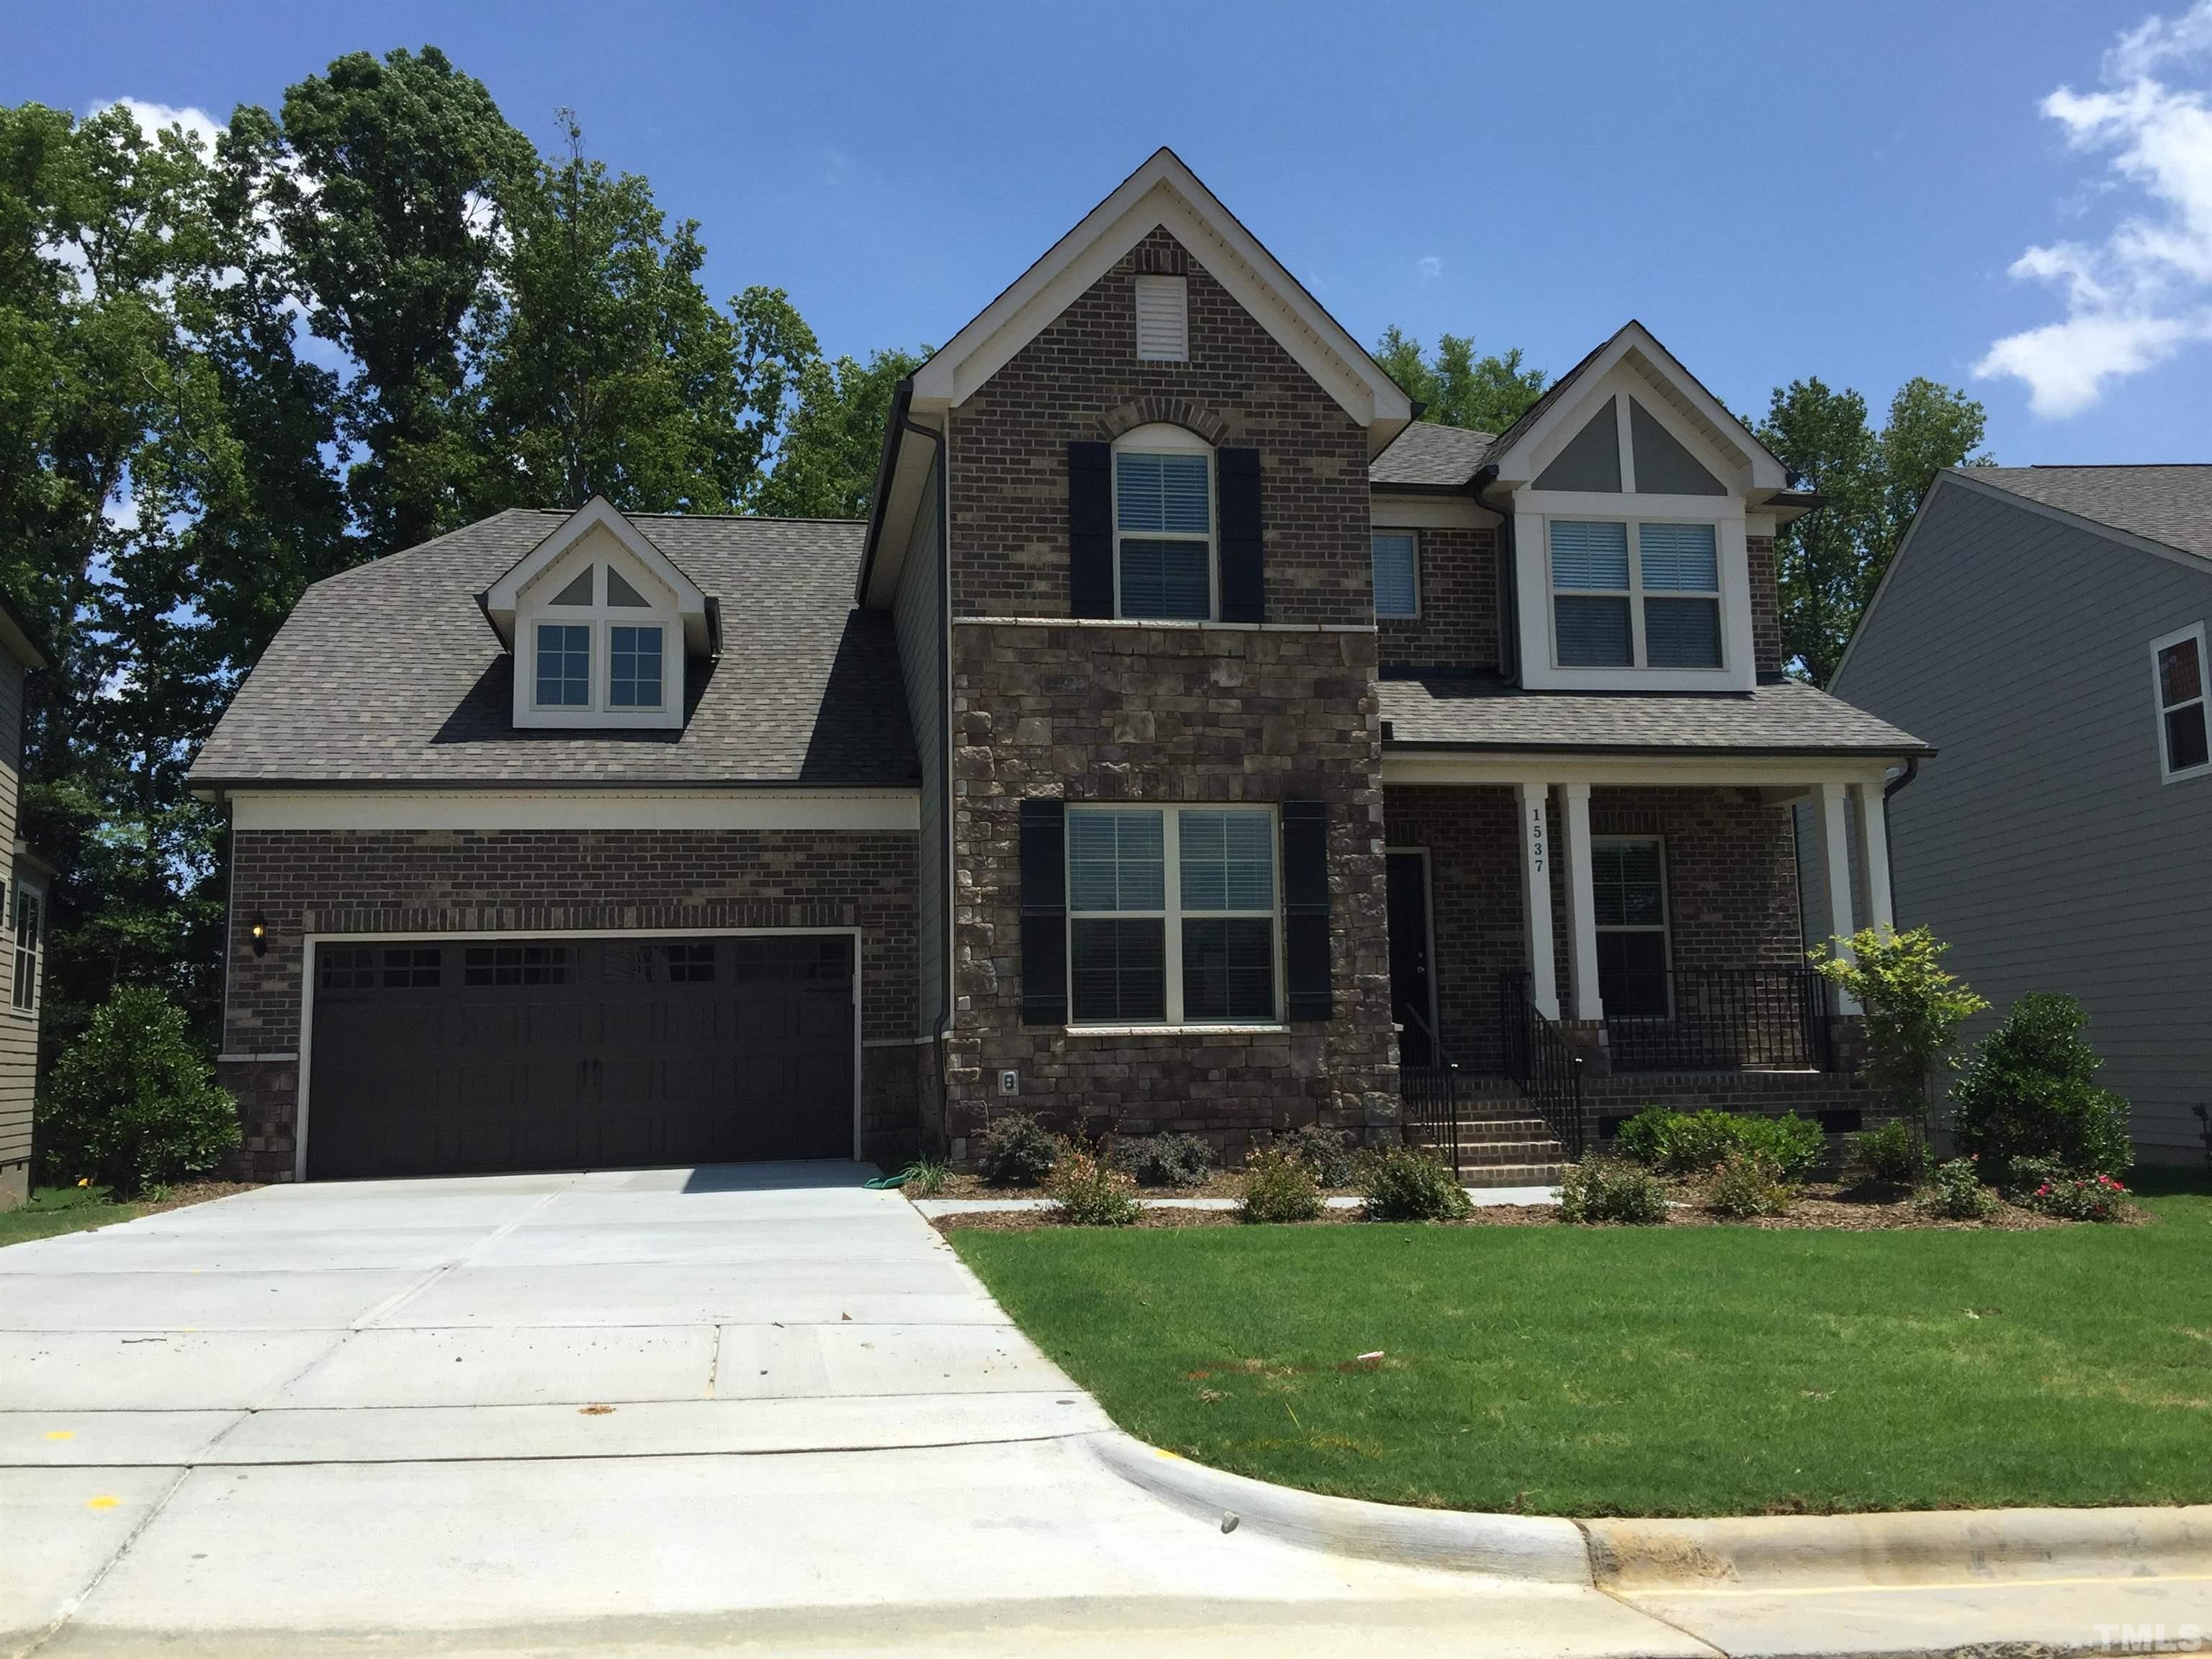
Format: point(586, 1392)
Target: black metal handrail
point(1428, 1099)
point(1719, 1019)
point(1541, 1059)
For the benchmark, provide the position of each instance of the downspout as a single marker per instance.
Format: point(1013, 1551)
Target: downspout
point(943, 443)
point(1889, 835)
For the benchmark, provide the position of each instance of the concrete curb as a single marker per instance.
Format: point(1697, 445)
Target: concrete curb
point(1748, 1553)
point(1536, 1547)
point(1909, 1548)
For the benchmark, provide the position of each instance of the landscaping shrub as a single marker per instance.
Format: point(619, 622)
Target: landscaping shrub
point(1327, 1152)
point(132, 1103)
point(1913, 1009)
point(1172, 1160)
point(1955, 1191)
point(2079, 1198)
point(1279, 1188)
point(1748, 1184)
point(1689, 1143)
point(1606, 1189)
point(927, 1178)
point(1089, 1194)
point(1401, 1184)
point(1894, 1152)
point(1016, 1151)
point(2031, 1092)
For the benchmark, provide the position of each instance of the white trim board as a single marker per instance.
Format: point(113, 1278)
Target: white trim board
point(309, 942)
point(860, 810)
point(1701, 771)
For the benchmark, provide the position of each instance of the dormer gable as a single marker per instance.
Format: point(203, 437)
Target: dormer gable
point(601, 624)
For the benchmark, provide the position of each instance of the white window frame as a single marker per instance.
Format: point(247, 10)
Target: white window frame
point(1636, 594)
point(1665, 928)
point(23, 1001)
point(1163, 439)
point(600, 618)
point(1414, 536)
point(2161, 708)
point(1174, 916)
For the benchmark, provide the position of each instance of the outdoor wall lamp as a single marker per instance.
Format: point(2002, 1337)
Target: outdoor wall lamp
point(259, 929)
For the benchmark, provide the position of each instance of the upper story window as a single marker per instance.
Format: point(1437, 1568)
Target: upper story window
point(596, 648)
point(1635, 593)
point(1164, 525)
point(1164, 320)
point(2179, 671)
point(1397, 579)
point(30, 944)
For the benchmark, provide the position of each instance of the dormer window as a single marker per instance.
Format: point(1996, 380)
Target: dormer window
point(1164, 559)
point(593, 652)
point(1635, 594)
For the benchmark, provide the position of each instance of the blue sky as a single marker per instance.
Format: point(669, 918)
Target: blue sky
point(1863, 192)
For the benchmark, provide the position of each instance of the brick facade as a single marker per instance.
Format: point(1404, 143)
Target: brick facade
point(1766, 607)
point(551, 882)
point(1458, 601)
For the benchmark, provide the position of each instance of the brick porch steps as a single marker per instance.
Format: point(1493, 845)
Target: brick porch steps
point(1501, 1145)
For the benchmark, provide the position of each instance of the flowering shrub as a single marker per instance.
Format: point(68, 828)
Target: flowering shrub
point(1954, 1191)
point(1746, 1185)
point(1600, 1190)
point(1089, 1195)
point(2081, 1198)
point(1279, 1188)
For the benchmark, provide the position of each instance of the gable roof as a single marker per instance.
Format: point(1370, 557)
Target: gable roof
point(501, 599)
point(388, 675)
point(1165, 192)
point(2169, 504)
point(1427, 456)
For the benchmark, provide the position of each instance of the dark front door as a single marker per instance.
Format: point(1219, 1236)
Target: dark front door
point(447, 1057)
point(1413, 996)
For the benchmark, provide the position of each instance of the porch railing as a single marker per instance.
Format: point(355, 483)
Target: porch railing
point(1428, 1099)
point(1719, 1019)
point(1539, 1057)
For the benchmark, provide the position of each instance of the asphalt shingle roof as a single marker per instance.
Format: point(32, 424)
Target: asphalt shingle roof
point(390, 674)
point(1428, 455)
point(1486, 713)
point(2171, 505)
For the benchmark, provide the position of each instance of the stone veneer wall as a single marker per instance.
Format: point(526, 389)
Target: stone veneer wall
point(1458, 625)
point(1119, 712)
point(550, 881)
point(1731, 888)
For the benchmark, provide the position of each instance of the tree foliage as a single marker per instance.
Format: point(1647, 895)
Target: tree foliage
point(827, 467)
point(1914, 1009)
point(1455, 387)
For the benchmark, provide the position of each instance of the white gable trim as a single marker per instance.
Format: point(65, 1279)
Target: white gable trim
point(500, 601)
point(1165, 193)
point(1673, 396)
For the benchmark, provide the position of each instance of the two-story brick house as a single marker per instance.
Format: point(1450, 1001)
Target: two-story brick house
point(1180, 742)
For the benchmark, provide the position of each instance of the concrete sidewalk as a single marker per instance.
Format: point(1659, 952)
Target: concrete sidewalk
point(661, 1410)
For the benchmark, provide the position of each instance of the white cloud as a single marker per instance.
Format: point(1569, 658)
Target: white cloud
point(2145, 291)
point(153, 118)
point(1429, 268)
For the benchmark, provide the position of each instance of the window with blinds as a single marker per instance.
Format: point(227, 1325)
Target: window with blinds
point(1164, 534)
point(1397, 586)
point(1628, 595)
point(1162, 320)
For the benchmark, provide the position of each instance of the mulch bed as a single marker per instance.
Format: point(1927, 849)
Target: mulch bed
point(194, 1192)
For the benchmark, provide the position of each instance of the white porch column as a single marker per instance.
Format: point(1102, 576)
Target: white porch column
point(1874, 854)
point(1582, 903)
point(1536, 897)
point(1833, 829)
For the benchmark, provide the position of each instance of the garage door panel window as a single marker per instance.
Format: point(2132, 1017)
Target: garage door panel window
point(516, 964)
point(691, 963)
point(415, 968)
point(345, 968)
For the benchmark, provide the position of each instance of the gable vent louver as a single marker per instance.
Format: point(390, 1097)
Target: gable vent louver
point(1162, 320)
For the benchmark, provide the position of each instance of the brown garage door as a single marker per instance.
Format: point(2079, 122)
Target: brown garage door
point(441, 1057)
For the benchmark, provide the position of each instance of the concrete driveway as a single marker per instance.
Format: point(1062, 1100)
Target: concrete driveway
point(668, 1411)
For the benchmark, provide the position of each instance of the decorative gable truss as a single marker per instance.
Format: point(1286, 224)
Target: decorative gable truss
point(601, 624)
point(1629, 488)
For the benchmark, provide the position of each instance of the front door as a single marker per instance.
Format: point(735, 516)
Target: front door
point(1412, 998)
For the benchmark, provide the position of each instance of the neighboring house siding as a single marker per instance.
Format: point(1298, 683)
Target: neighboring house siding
point(19, 1033)
point(2040, 841)
point(547, 883)
point(1458, 586)
point(917, 609)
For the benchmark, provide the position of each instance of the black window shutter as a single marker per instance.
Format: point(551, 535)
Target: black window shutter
point(1243, 563)
point(1044, 913)
point(1306, 910)
point(1090, 529)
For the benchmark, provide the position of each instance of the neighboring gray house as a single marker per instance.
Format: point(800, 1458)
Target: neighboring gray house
point(2045, 628)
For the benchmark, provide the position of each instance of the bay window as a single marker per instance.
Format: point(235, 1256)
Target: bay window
point(1171, 915)
point(1631, 593)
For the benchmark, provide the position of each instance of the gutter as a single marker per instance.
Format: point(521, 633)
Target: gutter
point(893, 424)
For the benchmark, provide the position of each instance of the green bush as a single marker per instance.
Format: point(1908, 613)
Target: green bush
point(1954, 1191)
point(1091, 1195)
point(2031, 1092)
point(1016, 1151)
point(1171, 1160)
point(133, 1103)
point(1327, 1152)
point(1746, 1185)
point(1689, 1143)
point(1401, 1184)
point(927, 1178)
point(1913, 1009)
point(1601, 1189)
point(2079, 1198)
point(1894, 1152)
point(1279, 1188)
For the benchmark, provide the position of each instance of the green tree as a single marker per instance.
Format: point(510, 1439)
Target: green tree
point(1457, 388)
point(826, 467)
point(1914, 1008)
point(388, 180)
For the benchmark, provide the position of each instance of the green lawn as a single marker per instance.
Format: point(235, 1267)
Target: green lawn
point(62, 1210)
point(1625, 1371)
